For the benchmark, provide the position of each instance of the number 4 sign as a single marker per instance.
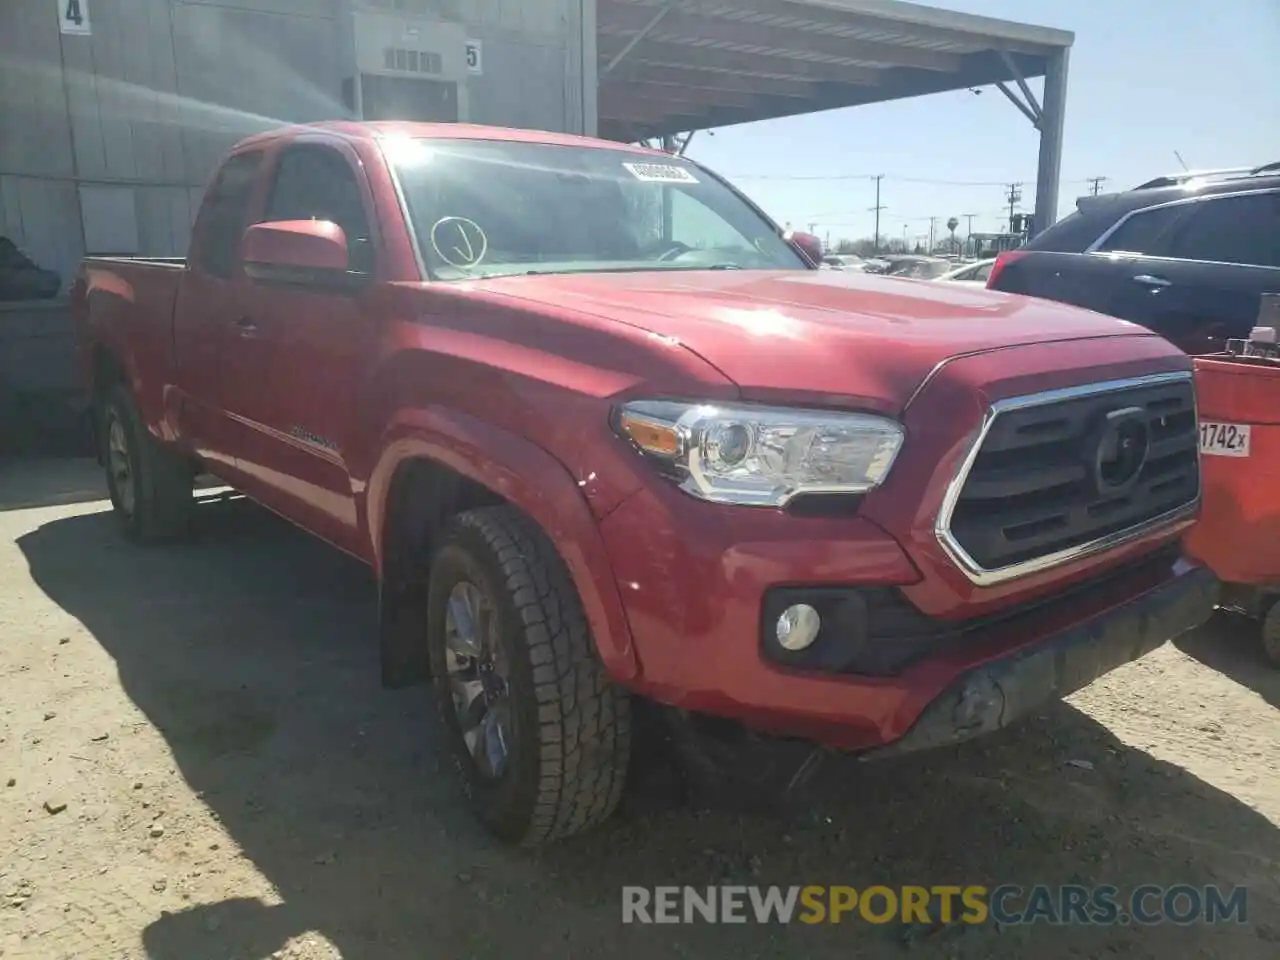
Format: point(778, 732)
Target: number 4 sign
point(73, 17)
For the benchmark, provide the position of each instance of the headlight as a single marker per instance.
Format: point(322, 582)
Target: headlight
point(761, 456)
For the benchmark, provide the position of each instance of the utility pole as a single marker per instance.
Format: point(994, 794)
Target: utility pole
point(1097, 182)
point(875, 244)
point(932, 222)
point(1014, 198)
point(969, 230)
point(813, 227)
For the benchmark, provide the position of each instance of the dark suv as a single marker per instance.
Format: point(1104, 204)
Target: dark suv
point(1185, 256)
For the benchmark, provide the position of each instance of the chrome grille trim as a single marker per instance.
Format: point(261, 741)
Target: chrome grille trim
point(983, 576)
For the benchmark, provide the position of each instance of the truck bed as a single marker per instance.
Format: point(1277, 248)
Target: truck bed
point(125, 305)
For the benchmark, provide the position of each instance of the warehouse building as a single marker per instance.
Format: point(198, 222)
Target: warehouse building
point(110, 126)
point(114, 113)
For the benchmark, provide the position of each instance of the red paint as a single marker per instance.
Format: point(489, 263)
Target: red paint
point(1238, 536)
point(807, 243)
point(1002, 261)
point(309, 244)
point(311, 399)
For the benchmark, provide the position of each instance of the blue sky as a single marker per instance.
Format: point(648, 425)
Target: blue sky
point(1147, 77)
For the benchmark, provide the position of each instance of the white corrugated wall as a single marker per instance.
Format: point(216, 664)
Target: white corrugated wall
point(112, 136)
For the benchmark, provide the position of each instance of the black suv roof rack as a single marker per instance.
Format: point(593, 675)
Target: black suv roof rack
point(1221, 173)
point(1177, 179)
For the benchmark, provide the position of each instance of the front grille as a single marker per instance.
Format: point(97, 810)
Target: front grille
point(1060, 471)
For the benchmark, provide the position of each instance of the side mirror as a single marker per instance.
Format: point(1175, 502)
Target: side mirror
point(296, 252)
point(809, 246)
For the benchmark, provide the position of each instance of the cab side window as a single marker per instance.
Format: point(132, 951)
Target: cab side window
point(317, 183)
point(222, 216)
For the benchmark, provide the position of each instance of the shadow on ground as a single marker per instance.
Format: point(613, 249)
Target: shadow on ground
point(43, 423)
point(27, 483)
point(30, 482)
point(253, 653)
point(1232, 644)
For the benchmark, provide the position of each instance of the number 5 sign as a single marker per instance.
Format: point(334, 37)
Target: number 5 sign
point(73, 17)
point(475, 56)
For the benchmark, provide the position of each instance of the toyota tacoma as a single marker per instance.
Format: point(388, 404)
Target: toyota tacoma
point(607, 437)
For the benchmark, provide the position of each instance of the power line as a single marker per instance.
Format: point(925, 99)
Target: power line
point(875, 243)
point(1014, 197)
point(1097, 182)
point(871, 176)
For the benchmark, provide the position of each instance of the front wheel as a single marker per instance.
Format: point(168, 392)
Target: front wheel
point(540, 736)
point(150, 485)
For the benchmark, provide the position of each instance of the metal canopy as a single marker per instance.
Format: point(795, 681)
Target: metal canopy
point(671, 66)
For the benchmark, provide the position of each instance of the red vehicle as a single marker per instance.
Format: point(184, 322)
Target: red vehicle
point(607, 436)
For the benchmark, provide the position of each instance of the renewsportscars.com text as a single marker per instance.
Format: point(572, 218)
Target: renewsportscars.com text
point(1006, 904)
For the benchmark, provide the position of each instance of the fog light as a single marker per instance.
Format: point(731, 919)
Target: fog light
point(798, 627)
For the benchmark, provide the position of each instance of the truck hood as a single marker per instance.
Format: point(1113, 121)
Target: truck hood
point(824, 333)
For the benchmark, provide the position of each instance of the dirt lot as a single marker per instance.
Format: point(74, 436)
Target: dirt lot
point(237, 785)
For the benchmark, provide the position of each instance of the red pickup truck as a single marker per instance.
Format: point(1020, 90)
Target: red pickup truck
point(607, 436)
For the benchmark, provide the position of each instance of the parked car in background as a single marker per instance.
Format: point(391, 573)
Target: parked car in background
point(973, 273)
point(917, 267)
point(598, 459)
point(1186, 257)
point(844, 261)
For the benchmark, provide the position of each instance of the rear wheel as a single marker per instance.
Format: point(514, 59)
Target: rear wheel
point(1271, 634)
point(539, 735)
point(150, 485)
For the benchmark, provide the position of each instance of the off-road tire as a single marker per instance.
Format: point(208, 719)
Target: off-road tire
point(1271, 634)
point(163, 481)
point(571, 725)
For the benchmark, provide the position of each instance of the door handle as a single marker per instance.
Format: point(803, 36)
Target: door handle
point(1156, 283)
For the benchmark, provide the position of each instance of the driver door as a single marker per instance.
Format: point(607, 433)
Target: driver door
point(321, 341)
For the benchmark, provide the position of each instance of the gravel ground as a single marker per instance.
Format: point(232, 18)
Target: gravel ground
point(196, 760)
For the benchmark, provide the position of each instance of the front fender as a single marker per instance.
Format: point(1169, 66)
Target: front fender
point(528, 477)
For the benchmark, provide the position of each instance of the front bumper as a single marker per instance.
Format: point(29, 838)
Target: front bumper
point(1003, 691)
point(693, 582)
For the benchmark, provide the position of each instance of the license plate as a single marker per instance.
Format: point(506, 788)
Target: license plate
point(1224, 439)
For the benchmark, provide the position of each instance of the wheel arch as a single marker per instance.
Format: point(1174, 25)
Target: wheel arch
point(436, 463)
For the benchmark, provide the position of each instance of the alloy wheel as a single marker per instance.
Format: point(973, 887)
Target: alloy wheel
point(119, 465)
point(479, 678)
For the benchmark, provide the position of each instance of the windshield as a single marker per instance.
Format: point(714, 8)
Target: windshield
point(483, 208)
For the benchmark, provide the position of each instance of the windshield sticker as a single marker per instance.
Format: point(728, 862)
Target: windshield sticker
point(459, 242)
point(660, 173)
